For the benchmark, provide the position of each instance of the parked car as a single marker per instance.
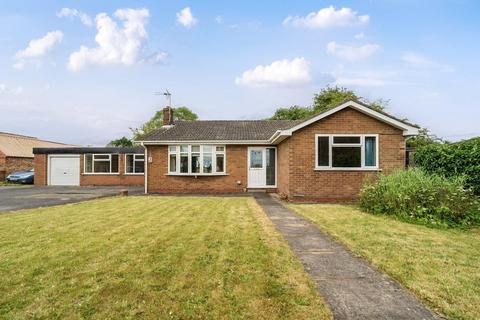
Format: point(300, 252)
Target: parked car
point(25, 177)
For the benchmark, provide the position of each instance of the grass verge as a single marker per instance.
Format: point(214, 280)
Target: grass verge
point(153, 258)
point(440, 266)
point(11, 184)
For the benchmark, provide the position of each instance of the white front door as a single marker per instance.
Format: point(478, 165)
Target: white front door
point(261, 167)
point(64, 170)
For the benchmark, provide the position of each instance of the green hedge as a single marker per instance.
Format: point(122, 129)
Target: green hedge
point(462, 158)
point(414, 194)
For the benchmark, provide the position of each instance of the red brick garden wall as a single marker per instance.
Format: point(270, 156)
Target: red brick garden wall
point(2, 166)
point(13, 164)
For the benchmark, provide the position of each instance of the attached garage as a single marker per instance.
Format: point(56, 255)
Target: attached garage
point(89, 166)
point(64, 170)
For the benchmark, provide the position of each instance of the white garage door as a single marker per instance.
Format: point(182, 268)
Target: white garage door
point(64, 170)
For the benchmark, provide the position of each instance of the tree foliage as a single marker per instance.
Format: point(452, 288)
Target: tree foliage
point(155, 122)
point(424, 138)
point(291, 113)
point(184, 113)
point(326, 99)
point(122, 142)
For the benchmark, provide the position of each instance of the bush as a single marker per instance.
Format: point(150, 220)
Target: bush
point(462, 158)
point(414, 194)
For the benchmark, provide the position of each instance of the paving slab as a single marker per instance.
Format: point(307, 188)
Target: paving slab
point(350, 285)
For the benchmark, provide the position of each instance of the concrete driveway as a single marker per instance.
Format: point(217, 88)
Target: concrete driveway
point(16, 198)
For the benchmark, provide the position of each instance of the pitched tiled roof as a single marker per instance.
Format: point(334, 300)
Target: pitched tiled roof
point(15, 145)
point(220, 130)
point(233, 130)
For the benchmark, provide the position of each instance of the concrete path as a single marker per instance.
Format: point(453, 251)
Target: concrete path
point(16, 198)
point(352, 288)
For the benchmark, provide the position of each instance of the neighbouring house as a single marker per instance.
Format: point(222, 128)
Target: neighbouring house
point(89, 166)
point(16, 152)
point(325, 158)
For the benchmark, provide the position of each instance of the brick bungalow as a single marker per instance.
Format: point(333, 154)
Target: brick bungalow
point(16, 152)
point(325, 158)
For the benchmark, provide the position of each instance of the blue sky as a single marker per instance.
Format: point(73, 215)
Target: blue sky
point(84, 72)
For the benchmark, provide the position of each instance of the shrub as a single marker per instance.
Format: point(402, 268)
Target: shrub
point(462, 158)
point(414, 194)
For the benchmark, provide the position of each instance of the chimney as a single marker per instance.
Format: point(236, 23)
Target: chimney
point(167, 116)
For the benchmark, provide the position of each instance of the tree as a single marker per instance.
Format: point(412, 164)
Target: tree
point(330, 97)
point(424, 138)
point(122, 142)
point(326, 99)
point(183, 113)
point(292, 113)
point(180, 113)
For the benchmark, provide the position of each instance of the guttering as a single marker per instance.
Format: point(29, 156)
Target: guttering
point(237, 142)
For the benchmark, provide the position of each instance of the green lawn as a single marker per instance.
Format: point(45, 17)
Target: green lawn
point(442, 267)
point(151, 257)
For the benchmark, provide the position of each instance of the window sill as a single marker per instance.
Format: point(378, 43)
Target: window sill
point(134, 174)
point(197, 174)
point(101, 174)
point(347, 169)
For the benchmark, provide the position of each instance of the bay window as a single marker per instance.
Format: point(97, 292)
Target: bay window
point(347, 152)
point(100, 163)
point(192, 159)
point(134, 163)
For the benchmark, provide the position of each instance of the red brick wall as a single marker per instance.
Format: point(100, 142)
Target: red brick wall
point(13, 164)
point(120, 179)
point(2, 166)
point(160, 182)
point(306, 184)
point(283, 170)
point(40, 164)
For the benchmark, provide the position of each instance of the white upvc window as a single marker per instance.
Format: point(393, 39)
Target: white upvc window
point(100, 163)
point(196, 159)
point(346, 152)
point(134, 163)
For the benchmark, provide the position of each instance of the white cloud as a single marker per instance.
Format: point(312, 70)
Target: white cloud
point(360, 35)
point(116, 46)
point(4, 89)
point(420, 61)
point(360, 82)
point(352, 53)
point(219, 19)
point(156, 58)
point(278, 73)
point(71, 13)
point(415, 59)
point(326, 18)
point(186, 18)
point(37, 48)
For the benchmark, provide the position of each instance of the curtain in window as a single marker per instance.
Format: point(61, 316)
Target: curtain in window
point(370, 149)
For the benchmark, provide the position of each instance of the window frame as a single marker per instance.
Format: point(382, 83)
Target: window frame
point(189, 153)
point(361, 145)
point(134, 160)
point(100, 160)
